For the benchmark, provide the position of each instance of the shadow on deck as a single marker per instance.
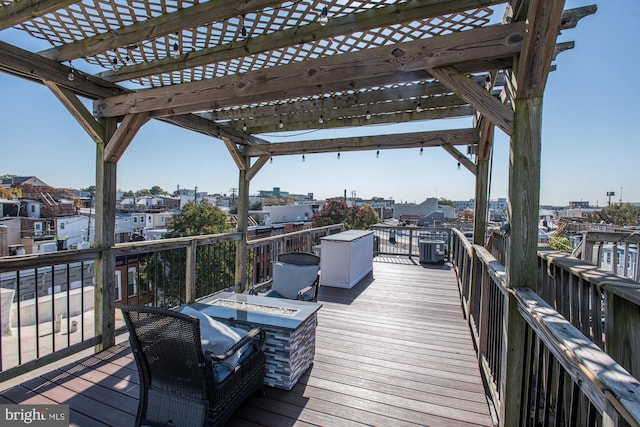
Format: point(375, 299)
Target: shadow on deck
point(394, 350)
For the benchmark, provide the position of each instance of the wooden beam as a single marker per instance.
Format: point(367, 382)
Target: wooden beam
point(496, 42)
point(347, 24)
point(208, 127)
point(401, 117)
point(461, 158)
point(349, 99)
point(156, 27)
point(256, 166)
point(235, 153)
point(571, 17)
point(379, 108)
point(378, 142)
point(25, 10)
point(28, 65)
point(533, 63)
point(475, 95)
point(78, 111)
point(123, 136)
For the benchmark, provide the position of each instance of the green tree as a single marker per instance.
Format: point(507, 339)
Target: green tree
point(338, 212)
point(157, 190)
point(446, 202)
point(143, 192)
point(621, 214)
point(256, 206)
point(215, 263)
point(199, 219)
point(128, 194)
point(561, 244)
point(89, 189)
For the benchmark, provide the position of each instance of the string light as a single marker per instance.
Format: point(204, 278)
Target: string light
point(421, 150)
point(243, 31)
point(271, 160)
point(367, 115)
point(339, 153)
point(419, 108)
point(175, 51)
point(280, 124)
point(459, 165)
point(244, 126)
point(324, 16)
point(378, 154)
point(321, 119)
point(71, 76)
point(114, 63)
point(303, 158)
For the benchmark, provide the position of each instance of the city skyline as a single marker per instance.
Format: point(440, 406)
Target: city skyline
point(588, 148)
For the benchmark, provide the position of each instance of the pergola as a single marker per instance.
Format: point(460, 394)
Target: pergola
point(235, 69)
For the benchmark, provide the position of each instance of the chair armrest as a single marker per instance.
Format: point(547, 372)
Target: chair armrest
point(311, 290)
point(260, 287)
point(255, 334)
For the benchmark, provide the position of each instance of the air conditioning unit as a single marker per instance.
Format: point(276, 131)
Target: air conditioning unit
point(431, 251)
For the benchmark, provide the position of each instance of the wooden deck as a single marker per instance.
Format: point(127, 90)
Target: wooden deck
point(393, 351)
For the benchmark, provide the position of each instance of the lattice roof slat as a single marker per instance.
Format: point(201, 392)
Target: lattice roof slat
point(161, 43)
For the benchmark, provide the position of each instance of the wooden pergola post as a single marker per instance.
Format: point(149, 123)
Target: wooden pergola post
point(106, 172)
point(528, 80)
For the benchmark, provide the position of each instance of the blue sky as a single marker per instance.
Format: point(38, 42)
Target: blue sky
point(590, 139)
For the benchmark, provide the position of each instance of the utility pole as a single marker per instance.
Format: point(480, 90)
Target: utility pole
point(233, 195)
point(195, 196)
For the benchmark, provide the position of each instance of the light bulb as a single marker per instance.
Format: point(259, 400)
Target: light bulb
point(244, 126)
point(421, 150)
point(324, 16)
point(338, 155)
point(303, 159)
point(280, 124)
point(114, 63)
point(71, 76)
point(367, 115)
point(419, 108)
point(321, 119)
point(271, 160)
point(175, 52)
point(243, 31)
point(459, 165)
point(378, 154)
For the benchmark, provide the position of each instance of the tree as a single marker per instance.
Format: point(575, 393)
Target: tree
point(199, 219)
point(338, 212)
point(446, 202)
point(157, 190)
point(89, 189)
point(256, 206)
point(561, 244)
point(623, 214)
point(143, 192)
point(5, 193)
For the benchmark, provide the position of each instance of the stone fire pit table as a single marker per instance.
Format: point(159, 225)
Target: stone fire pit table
point(290, 328)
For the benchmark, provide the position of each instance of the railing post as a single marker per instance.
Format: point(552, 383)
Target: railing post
point(190, 279)
point(410, 243)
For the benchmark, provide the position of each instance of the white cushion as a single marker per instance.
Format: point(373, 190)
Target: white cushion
point(288, 279)
point(217, 337)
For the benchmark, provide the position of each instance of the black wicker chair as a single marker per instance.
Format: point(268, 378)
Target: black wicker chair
point(177, 385)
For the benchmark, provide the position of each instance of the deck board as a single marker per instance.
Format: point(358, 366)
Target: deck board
point(393, 350)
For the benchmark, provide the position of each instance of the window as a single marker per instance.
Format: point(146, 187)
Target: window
point(118, 286)
point(608, 257)
point(62, 226)
point(33, 208)
point(132, 286)
point(135, 219)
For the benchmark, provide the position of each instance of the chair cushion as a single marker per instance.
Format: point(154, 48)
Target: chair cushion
point(217, 337)
point(288, 279)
